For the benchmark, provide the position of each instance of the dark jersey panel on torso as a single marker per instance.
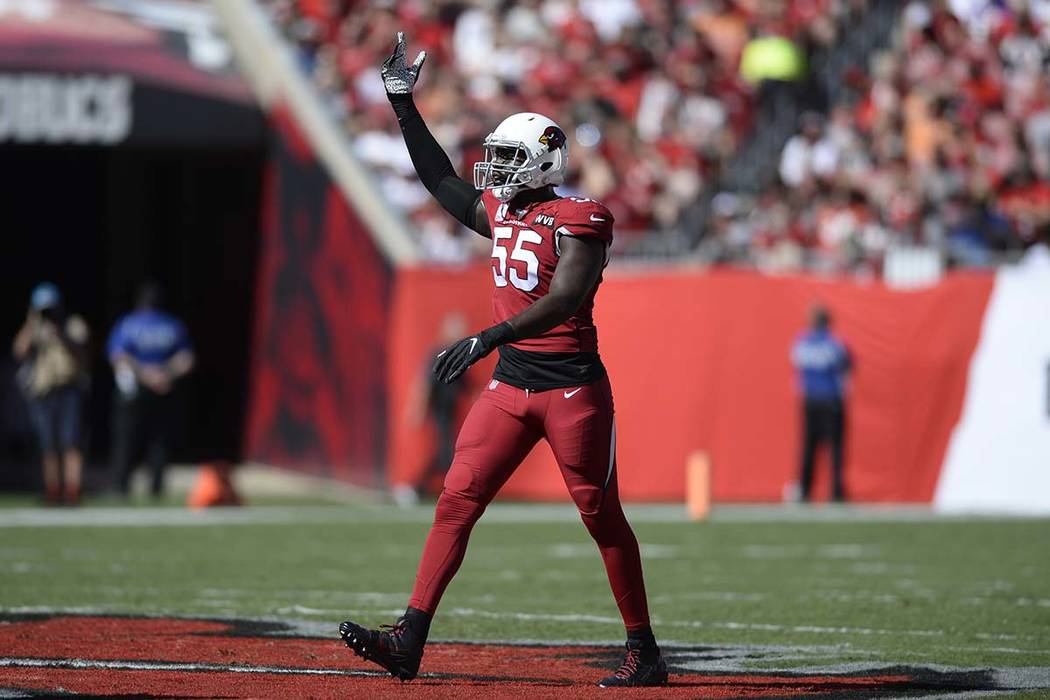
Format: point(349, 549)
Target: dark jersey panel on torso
point(525, 250)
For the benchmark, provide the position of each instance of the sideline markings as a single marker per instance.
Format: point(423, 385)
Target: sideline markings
point(320, 629)
point(138, 654)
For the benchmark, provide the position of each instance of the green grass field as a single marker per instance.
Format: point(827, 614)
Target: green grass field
point(817, 588)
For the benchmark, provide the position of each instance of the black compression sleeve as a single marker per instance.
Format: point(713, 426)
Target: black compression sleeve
point(434, 168)
point(459, 199)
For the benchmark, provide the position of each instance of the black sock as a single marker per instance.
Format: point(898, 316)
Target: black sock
point(419, 622)
point(645, 641)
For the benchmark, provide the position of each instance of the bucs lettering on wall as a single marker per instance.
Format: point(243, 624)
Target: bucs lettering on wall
point(78, 109)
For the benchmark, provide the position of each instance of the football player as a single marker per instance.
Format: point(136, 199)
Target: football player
point(548, 253)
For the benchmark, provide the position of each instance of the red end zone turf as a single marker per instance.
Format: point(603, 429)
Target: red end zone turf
point(232, 659)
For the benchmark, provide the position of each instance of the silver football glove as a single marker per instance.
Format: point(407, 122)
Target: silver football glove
point(399, 78)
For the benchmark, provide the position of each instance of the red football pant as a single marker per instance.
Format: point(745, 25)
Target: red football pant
point(502, 427)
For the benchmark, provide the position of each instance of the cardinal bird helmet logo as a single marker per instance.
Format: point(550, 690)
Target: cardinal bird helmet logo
point(553, 138)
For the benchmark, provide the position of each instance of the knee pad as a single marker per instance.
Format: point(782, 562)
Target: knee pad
point(589, 501)
point(602, 515)
point(457, 508)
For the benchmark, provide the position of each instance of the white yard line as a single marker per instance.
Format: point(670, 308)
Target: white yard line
point(340, 613)
point(499, 512)
point(1009, 680)
point(109, 665)
point(171, 517)
point(729, 625)
point(1001, 650)
point(720, 596)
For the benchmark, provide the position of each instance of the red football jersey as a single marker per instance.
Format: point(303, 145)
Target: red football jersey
point(525, 250)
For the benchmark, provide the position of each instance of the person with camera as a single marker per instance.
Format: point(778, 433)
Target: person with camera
point(50, 350)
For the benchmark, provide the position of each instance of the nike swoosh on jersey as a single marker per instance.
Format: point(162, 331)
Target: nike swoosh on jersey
point(597, 218)
point(473, 342)
point(570, 394)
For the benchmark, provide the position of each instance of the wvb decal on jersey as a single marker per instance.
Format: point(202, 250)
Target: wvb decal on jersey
point(544, 220)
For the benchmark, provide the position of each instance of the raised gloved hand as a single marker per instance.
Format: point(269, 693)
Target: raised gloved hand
point(454, 361)
point(398, 77)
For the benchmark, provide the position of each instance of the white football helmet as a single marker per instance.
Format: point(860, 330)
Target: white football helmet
point(527, 150)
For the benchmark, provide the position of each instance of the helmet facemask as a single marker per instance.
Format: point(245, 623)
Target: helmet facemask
point(506, 169)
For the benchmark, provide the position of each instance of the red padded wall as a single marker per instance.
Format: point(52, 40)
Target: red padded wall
point(318, 397)
point(699, 361)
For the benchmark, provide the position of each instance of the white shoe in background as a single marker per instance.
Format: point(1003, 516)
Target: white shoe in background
point(404, 495)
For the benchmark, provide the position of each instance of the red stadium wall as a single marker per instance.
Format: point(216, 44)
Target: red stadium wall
point(318, 398)
point(699, 361)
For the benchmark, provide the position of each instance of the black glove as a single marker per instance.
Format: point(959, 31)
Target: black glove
point(398, 77)
point(455, 360)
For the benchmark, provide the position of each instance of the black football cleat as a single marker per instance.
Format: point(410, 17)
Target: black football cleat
point(397, 648)
point(639, 669)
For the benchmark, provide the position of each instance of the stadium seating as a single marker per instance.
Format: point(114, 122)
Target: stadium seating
point(946, 145)
point(649, 90)
point(943, 142)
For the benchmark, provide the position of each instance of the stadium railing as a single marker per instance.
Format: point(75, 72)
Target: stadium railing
point(270, 68)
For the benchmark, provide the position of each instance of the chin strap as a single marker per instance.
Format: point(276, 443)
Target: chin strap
point(502, 193)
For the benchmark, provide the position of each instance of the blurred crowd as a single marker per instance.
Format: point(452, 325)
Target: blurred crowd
point(648, 90)
point(943, 140)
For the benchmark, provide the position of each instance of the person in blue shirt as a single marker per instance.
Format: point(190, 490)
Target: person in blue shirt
point(823, 364)
point(150, 352)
